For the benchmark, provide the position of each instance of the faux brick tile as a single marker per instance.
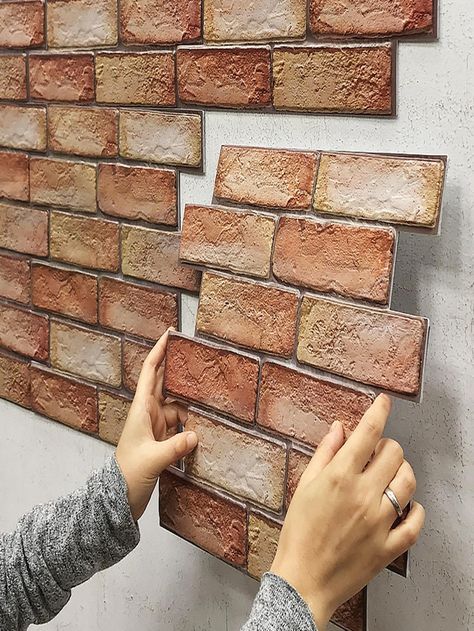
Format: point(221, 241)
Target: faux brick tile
point(24, 332)
point(224, 77)
point(352, 261)
point(87, 353)
point(216, 377)
point(136, 309)
point(65, 400)
point(85, 241)
point(15, 278)
point(14, 174)
point(81, 23)
point(263, 535)
point(63, 183)
point(23, 127)
point(166, 22)
point(272, 178)
point(304, 407)
point(133, 356)
point(380, 188)
point(353, 79)
point(14, 380)
point(62, 77)
point(22, 24)
point(238, 462)
point(69, 293)
point(352, 615)
point(24, 229)
point(261, 20)
point(83, 131)
point(12, 76)
point(207, 520)
point(297, 463)
point(400, 565)
point(138, 193)
point(375, 347)
point(146, 78)
point(113, 412)
point(260, 317)
point(153, 255)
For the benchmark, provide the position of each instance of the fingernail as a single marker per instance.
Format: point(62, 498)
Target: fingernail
point(191, 440)
point(334, 426)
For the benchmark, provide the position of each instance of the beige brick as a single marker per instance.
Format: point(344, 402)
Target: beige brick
point(14, 380)
point(81, 23)
point(63, 183)
point(12, 76)
point(113, 412)
point(83, 131)
point(22, 23)
point(133, 354)
point(23, 127)
point(166, 22)
point(24, 229)
point(264, 535)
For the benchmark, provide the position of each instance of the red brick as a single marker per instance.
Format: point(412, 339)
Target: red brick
point(113, 412)
point(14, 380)
point(70, 293)
point(352, 261)
point(263, 534)
point(24, 332)
point(166, 22)
point(24, 229)
point(22, 23)
point(304, 407)
point(272, 178)
point(352, 615)
point(14, 175)
point(63, 399)
point(224, 77)
point(207, 520)
point(62, 77)
point(84, 131)
point(381, 348)
point(15, 278)
point(260, 317)
point(297, 463)
point(23, 127)
point(239, 241)
point(81, 23)
point(133, 354)
point(12, 76)
point(136, 309)
point(214, 376)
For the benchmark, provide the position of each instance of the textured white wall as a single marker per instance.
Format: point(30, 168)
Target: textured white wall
point(169, 585)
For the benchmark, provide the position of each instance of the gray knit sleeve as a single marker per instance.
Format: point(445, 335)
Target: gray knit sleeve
point(60, 545)
point(279, 607)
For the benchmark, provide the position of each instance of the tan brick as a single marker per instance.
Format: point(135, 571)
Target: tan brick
point(214, 376)
point(352, 261)
point(153, 255)
point(263, 543)
point(241, 463)
point(173, 138)
point(83, 131)
point(166, 22)
point(60, 77)
point(272, 178)
point(63, 183)
point(24, 332)
point(381, 348)
point(69, 293)
point(15, 278)
point(12, 76)
point(14, 175)
point(146, 78)
point(404, 190)
point(113, 412)
point(133, 355)
point(224, 77)
point(24, 229)
point(259, 317)
point(352, 615)
point(22, 23)
point(354, 79)
point(85, 241)
point(138, 193)
point(207, 520)
point(23, 127)
point(14, 380)
point(81, 23)
point(136, 309)
point(297, 463)
point(90, 354)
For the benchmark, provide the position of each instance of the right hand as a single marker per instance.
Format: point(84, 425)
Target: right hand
point(338, 530)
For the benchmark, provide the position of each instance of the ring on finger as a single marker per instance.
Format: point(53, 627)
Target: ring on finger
point(394, 501)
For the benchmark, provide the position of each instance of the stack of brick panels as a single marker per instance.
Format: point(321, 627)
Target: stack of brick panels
point(294, 330)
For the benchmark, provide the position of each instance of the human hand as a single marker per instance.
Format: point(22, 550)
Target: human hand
point(146, 448)
point(338, 530)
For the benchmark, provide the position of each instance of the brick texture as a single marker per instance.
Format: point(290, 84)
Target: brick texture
point(23, 127)
point(62, 77)
point(133, 356)
point(113, 412)
point(81, 23)
point(297, 463)
point(263, 536)
point(15, 278)
point(169, 22)
point(14, 380)
point(24, 332)
point(14, 175)
point(24, 229)
point(22, 24)
point(352, 615)
point(12, 77)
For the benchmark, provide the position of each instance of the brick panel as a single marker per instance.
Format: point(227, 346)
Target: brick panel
point(23, 127)
point(15, 278)
point(167, 22)
point(12, 77)
point(263, 536)
point(352, 615)
point(62, 77)
point(24, 229)
point(24, 332)
point(14, 380)
point(81, 23)
point(22, 24)
point(133, 356)
point(113, 412)
point(14, 175)
point(297, 463)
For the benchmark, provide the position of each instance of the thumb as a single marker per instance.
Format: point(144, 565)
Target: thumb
point(173, 449)
point(326, 450)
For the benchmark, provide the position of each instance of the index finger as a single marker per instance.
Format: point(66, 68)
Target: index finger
point(154, 359)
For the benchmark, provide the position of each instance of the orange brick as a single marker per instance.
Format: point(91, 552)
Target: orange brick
point(81, 23)
point(83, 131)
point(169, 22)
point(14, 380)
point(61, 77)
point(113, 412)
point(14, 175)
point(24, 229)
point(15, 278)
point(22, 23)
point(23, 127)
point(12, 76)
point(24, 332)
point(133, 354)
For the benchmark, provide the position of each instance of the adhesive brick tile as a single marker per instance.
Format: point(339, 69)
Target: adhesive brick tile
point(14, 175)
point(12, 77)
point(263, 536)
point(61, 77)
point(15, 278)
point(22, 23)
point(297, 463)
point(166, 22)
point(24, 229)
point(133, 356)
point(81, 23)
point(24, 332)
point(352, 615)
point(113, 412)
point(23, 127)
point(14, 380)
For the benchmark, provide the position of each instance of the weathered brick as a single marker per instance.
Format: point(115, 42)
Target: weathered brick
point(136, 309)
point(22, 23)
point(352, 615)
point(352, 261)
point(85, 241)
point(207, 520)
point(166, 22)
point(153, 255)
point(173, 138)
point(60, 77)
point(83, 131)
point(24, 332)
point(113, 412)
point(354, 79)
point(133, 356)
point(297, 463)
point(260, 317)
point(214, 376)
point(24, 229)
point(376, 347)
point(146, 78)
point(14, 175)
point(65, 400)
point(23, 127)
point(81, 23)
point(14, 380)
point(224, 77)
point(241, 463)
point(15, 278)
point(70, 293)
point(138, 193)
point(404, 190)
point(272, 178)
point(89, 354)
point(263, 535)
point(12, 76)
point(304, 407)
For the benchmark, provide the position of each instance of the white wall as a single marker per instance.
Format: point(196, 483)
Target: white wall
point(169, 585)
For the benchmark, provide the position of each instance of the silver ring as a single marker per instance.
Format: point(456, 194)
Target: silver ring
point(395, 503)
